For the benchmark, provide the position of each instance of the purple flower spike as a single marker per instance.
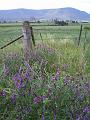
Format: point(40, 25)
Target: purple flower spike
point(27, 66)
point(53, 78)
point(66, 82)
point(87, 85)
point(2, 93)
point(43, 118)
point(86, 110)
point(17, 80)
point(37, 100)
point(58, 71)
point(56, 76)
point(78, 118)
point(54, 115)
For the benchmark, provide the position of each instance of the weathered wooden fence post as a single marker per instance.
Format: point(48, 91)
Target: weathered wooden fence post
point(27, 41)
point(80, 35)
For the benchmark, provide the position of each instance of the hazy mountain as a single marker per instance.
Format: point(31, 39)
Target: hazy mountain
point(27, 14)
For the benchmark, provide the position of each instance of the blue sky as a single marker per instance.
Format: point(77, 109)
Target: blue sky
point(83, 5)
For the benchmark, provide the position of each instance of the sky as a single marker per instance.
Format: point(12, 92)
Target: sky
point(83, 5)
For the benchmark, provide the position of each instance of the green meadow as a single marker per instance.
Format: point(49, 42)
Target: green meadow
point(55, 83)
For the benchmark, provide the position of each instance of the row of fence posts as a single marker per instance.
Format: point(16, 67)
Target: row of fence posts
point(28, 38)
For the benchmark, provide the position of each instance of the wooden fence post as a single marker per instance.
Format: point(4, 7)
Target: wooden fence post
point(32, 35)
point(27, 41)
point(85, 40)
point(80, 35)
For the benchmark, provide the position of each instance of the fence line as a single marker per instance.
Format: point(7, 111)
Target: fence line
point(11, 42)
point(29, 32)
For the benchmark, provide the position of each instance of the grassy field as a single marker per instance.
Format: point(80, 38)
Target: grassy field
point(10, 31)
point(54, 84)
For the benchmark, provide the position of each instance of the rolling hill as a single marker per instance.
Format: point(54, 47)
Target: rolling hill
point(67, 13)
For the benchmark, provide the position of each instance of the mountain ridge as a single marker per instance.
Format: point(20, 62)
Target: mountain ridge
point(66, 13)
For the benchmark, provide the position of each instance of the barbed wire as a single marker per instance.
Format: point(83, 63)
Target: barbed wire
point(48, 32)
point(11, 42)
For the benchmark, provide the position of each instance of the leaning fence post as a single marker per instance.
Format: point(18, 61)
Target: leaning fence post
point(80, 35)
point(27, 42)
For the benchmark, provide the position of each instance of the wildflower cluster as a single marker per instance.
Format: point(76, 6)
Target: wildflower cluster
point(23, 76)
point(18, 80)
point(57, 75)
point(51, 95)
point(84, 114)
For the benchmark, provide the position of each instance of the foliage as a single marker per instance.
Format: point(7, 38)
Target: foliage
point(62, 23)
point(87, 28)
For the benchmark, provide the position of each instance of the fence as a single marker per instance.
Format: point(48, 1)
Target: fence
point(31, 35)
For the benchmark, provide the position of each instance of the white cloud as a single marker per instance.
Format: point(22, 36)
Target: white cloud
point(42, 4)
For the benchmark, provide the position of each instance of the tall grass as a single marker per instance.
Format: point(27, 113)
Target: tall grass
point(53, 85)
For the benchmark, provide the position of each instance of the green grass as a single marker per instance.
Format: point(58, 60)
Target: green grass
point(56, 50)
point(56, 36)
point(8, 32)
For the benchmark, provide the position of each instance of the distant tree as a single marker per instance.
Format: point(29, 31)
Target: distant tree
point(38, 21)
point(73, 21)
point(67, 21)
point(76, 21)
point(62, 23)
point(4, 21)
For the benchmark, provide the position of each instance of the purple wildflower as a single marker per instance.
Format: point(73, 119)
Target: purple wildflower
point(78, 118)
point(17, 80)
point(81, 117)
point(87, 84)
point(29, 71)
point(86, 110)
point(58, 72)
point(53, 78)
point(66, 81)
point(43, 118)
point(2, 93)
point(37, 99)
point(56, 76)
point(27, 66)
point(54, 115)
point(20, 70)
point(27, 75)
